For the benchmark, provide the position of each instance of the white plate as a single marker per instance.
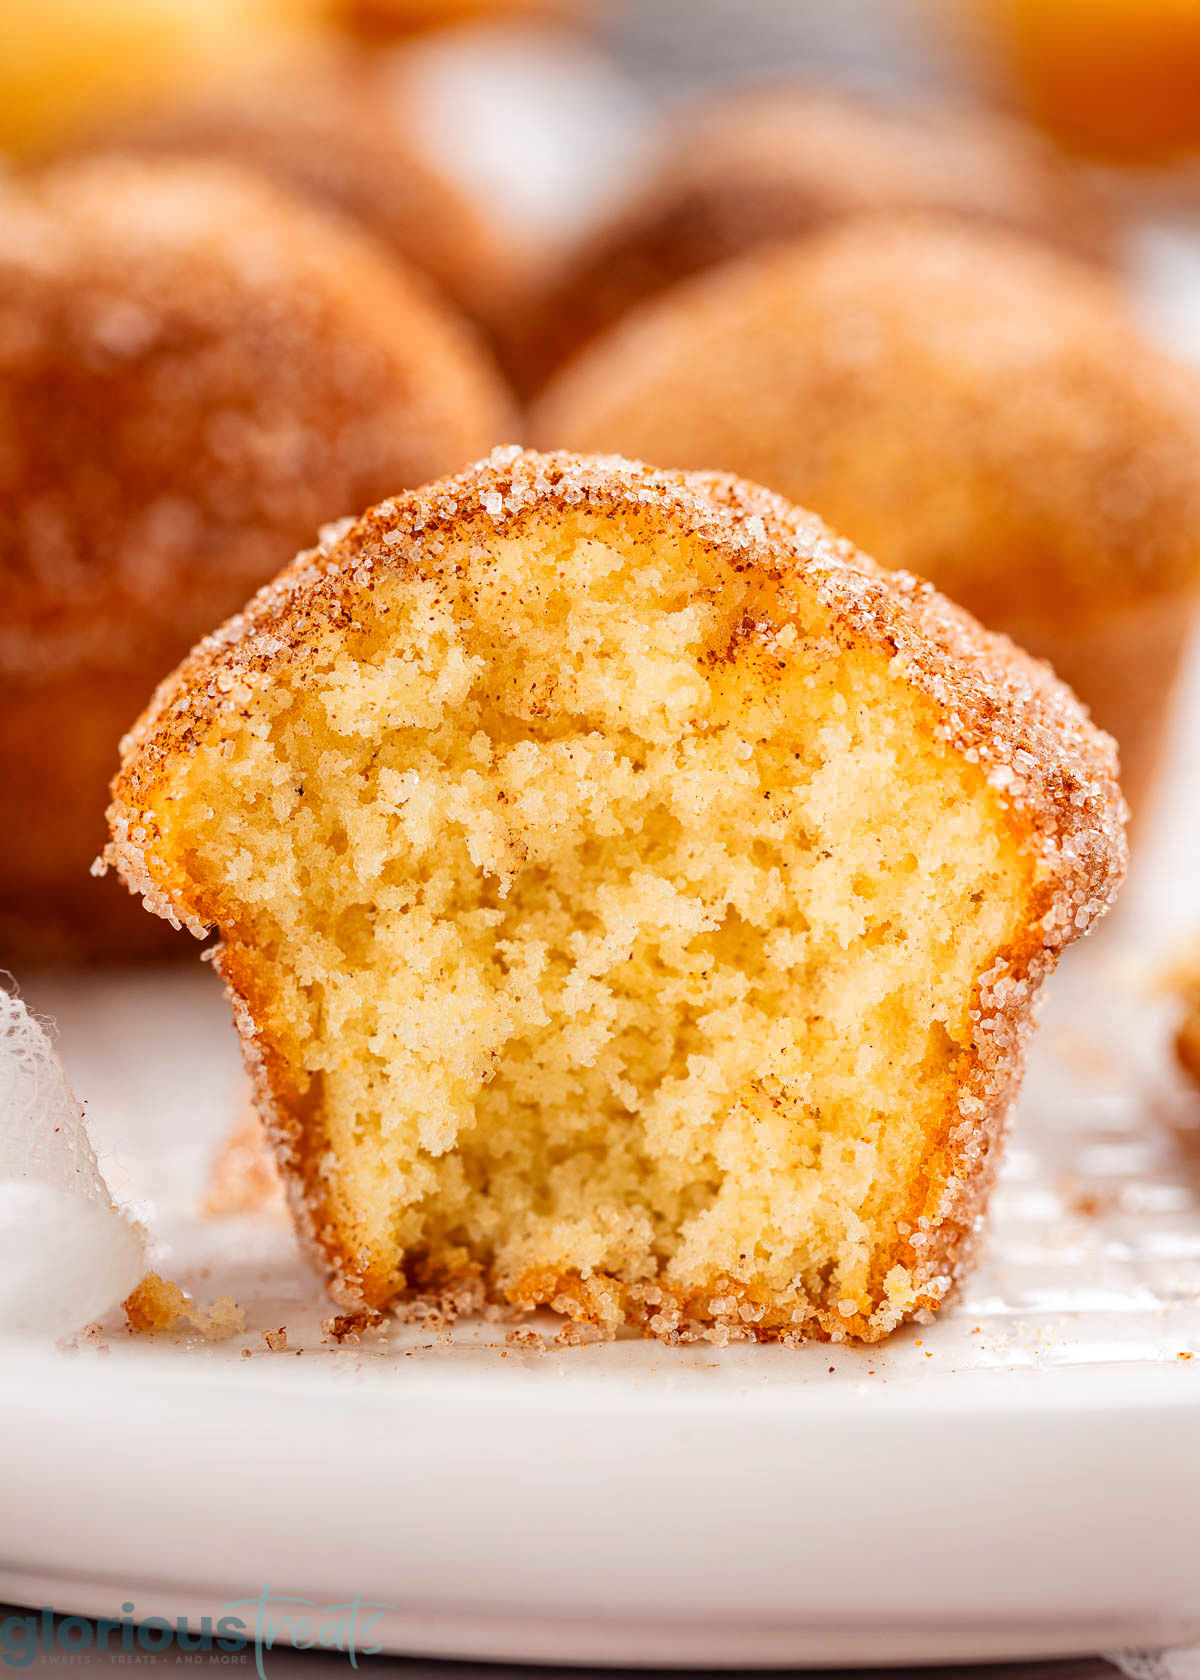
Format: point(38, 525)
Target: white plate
point(1020, 1480)
point(626, 1505)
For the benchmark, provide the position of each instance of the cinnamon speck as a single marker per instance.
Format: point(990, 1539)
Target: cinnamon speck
point(528, 1341)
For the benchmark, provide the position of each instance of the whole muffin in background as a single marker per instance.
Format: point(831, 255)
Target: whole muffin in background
point(769, 164)
point(334, 132)
point(963, 403)
point(196, 371)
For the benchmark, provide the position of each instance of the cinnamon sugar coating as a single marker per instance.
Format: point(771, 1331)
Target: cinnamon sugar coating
point(985, 737)
point(760, 167)
point(195, 372)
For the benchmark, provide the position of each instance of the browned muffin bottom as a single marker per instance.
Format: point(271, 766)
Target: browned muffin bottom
point(963, 403)
point(772, 164)
point(195, 373)
point(335, 133)
point(632, 900)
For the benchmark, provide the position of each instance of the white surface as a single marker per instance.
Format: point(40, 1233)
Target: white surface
point(1021, 1479)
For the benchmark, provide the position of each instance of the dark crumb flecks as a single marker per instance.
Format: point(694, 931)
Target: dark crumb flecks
point(578, 1335)
point(348, 1326)
point(528, 1341)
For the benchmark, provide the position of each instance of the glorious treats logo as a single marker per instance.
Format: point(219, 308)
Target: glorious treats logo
point(244, 1629)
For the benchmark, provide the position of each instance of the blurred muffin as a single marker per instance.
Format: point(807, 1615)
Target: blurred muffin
point(769, 164)
point(334, 132)
point(964, 404)
point(65, 64)
point(195, 372)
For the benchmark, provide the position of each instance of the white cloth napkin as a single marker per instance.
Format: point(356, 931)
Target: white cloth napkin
point(66, 1254)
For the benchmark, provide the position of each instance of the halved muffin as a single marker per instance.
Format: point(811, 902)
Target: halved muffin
point(632, 899)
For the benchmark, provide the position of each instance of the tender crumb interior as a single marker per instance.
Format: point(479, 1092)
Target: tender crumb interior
point(605, 931)
point(159, 1304)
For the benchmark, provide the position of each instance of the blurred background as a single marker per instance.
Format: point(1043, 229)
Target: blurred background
point(531, 173)
point(583, 82)
point(1116, 78)
point(265, 262)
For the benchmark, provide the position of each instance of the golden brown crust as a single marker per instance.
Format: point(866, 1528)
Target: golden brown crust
point(1053, 773)
point(195, 372)
point(774, 164)
point(335, 134)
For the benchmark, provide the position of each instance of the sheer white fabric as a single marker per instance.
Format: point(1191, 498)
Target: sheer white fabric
point(66, 1255)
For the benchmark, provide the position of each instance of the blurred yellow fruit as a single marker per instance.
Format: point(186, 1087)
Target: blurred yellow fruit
point(1115, 77)
point(67, 63)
